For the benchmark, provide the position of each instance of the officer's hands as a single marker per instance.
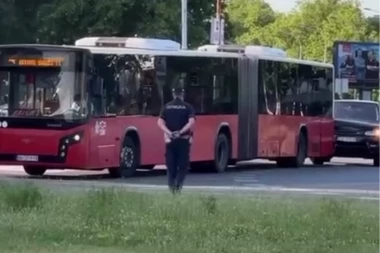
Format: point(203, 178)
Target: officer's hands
point(175, 134)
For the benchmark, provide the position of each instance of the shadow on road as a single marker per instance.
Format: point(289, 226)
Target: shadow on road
point(97, 176)
point(244, 167)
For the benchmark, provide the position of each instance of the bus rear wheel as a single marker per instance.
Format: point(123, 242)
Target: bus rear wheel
point(222, 151)
point(34, 170)
point(128, 160)
point(320, 160)
point(299, 159)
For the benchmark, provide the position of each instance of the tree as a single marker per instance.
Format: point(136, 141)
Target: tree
point(15, 27)
point(249, 18)
point(345, 21)
point(64, 21)
point(373, 28)
point(165, 20)
point(309, 31)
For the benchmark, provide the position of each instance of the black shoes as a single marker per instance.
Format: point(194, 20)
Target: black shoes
point(175, 189)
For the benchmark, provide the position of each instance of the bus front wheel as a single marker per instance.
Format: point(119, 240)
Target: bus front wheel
point(34, 170)
point(128, 160)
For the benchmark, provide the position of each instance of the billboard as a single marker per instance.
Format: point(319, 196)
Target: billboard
point(358, 62)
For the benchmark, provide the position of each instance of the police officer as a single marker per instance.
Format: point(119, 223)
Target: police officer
point(176, 121)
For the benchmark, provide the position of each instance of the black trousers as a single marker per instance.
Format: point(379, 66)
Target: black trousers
point(177, 162)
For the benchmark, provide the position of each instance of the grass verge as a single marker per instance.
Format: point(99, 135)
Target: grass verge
point(116, 221)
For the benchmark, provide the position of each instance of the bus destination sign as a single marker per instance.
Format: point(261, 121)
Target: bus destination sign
point(36, 62)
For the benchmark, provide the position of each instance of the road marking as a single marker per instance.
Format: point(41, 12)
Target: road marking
point(239, 188)
point(245, 180)
point(367, 198)
point(87, 185)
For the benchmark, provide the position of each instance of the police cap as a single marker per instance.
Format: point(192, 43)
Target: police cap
point(178, 91)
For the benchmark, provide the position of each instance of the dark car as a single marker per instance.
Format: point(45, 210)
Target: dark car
point(357, 129)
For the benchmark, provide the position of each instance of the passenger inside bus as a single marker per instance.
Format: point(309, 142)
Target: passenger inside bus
point(76, 105)
point(78, 102)
point(149, 96)
point(96, 103)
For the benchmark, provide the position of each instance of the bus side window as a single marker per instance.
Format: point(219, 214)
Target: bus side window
point(269, 97)
point(150, 93)
point(211, 84)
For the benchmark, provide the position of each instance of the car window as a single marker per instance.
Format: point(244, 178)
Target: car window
point(360, 111)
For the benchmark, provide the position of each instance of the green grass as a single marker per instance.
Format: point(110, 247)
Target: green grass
point(113, 221)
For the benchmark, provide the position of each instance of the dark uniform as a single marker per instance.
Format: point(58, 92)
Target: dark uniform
point(176, 115)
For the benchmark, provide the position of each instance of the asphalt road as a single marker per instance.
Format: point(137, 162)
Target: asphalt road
point(355, 178)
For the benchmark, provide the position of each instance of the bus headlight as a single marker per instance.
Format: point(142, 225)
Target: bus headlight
point(374, 133)
point(76, 137)
point(71, 139)
point(68, 140)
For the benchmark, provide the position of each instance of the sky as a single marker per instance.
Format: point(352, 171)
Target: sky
point(287, 5)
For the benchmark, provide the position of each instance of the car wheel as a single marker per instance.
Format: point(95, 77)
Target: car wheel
point(376, 161)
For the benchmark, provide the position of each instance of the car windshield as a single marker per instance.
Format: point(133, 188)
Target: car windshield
point(45, 84)
point(360, 111)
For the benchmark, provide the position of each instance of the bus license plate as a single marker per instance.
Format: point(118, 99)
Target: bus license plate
point(27, 158)
point(347, 139)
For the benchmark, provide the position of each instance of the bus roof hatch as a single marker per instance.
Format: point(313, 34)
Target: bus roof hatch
point(252, 49)
point(222, 48)
point(129, 42)
point(267, 51)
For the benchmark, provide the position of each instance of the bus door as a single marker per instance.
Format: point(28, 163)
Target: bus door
point(248, 108)
point(104, 142)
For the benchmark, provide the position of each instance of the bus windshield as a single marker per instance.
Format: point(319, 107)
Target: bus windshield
point(37, 83)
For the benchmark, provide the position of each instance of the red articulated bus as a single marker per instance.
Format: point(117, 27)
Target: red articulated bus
point(94, 105)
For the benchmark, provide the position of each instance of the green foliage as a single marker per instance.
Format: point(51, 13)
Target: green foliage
point(19, 198)
point(18, 22)
point(306, 32)
point(309, 31)
point(64, 21)
point(120, 221)
point(249, 18)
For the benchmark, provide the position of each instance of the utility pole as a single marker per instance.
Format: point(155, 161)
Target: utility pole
point(184, 24)
point(217, 25)
point(218, 8)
